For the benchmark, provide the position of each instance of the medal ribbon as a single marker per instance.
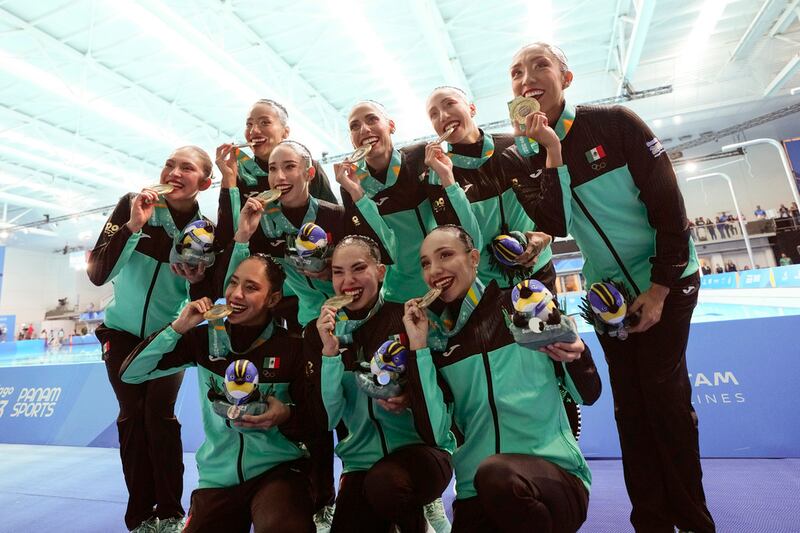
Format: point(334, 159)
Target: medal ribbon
point(345, 326)
point(465, 161)
point(249, 171)
point(528, 147)
point(442, 328)
point(219, 342)
point(372, 185)
point(274, 223)
point(161, 217)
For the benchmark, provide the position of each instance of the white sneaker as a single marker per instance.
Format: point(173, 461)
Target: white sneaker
point(436, 517)
point(323, 518)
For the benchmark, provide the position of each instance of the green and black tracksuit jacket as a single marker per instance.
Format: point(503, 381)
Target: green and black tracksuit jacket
point(338, 223)
point(230, 203)
point(494, 207)
point(147, 295)
point(504, 398)
point(616, 194)
point(405, 208)
point(372, 431)
point(230, 455)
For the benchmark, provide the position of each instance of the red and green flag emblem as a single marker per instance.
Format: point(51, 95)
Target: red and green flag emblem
point(595, 153)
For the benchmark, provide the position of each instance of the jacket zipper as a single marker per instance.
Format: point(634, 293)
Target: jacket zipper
point(147, 298)
point(607, 241)
point(490, 391)
point(239, 465)
point(419, 220)
point(377, 426)
point(240, 458)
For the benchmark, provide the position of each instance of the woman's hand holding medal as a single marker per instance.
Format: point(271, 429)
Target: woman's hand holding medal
point(227, 164)
point(437, 160)
point(141, 209)
point(346, 177)
point(326, 324)
point(192, 315)
point(416, 323)
point(249, 219)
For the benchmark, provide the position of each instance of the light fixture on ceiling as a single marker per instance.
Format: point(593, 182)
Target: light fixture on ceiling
point(69, 162)
point(350, 13)
point(677, 119)
point(86, 99)
point(657, 123)
point(195, 48)
point(794, 90)
point(691, 167)
point(695, 45)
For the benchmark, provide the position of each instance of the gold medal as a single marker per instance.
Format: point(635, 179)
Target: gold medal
point(218, 311)
point(339, 301)
point(359, 154)
point(243, 145)
point(522, 106)
point(233, 412)
point(429, 297)
point(270, 195)
point(161, 188)
point(443, 137)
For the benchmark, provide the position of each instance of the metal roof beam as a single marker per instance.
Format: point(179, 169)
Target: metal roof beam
point(427, 14)
point(86, 60)
point(333, 119)
point(786, 73)
point(635, 45)
point(788, 16)
point(766, 14)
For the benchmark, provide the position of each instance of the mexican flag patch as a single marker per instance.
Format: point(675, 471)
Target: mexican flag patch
point(273, 362)
point(595, 153)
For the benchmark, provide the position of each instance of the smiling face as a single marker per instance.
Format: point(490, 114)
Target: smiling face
point(537, 73)
point(357, 273)
point(447, 263)
point(448, 107)
point(264, 129)
point(369, 125)
point(290, 173)
point(249, 293)
point(188, 172)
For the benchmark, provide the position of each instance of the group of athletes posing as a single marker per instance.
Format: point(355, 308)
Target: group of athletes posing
point(474, 402)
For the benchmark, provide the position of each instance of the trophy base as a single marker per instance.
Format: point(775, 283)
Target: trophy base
point(373, 390)
point(228, 411)
point(567, 332)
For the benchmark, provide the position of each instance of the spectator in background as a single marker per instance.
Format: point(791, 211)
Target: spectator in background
point(43, 334)
point(760, 213)
point(783, 212)
point(693, 230)
point(730, 266)
point(733, 226)
point(785, 260)
point(746, 267)
point(705, 269)
point(29, 333)
point(710, 229)
point(794, 212)
point(719, 269)
point(722, 227)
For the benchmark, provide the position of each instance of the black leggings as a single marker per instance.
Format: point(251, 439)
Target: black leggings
point(656, 422)
point(393, 491)
point(149, 435)
point(519, 492)
point(277, 501)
